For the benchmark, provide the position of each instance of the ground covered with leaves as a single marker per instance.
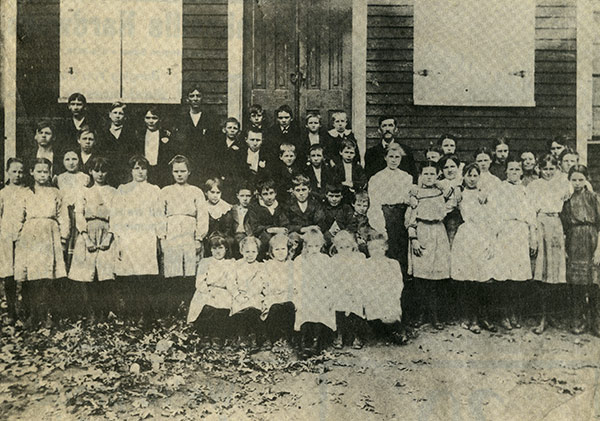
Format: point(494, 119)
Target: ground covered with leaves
point(117, 371)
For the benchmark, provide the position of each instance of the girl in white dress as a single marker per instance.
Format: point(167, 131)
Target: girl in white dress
point(39, 259)
point(487, 181)
point(135, 223)
point(12, 203)
point(71, 184)
point(348, 285)
point(382, 299)
point(247, 297)
point(278, 310)
point(93, 257)
point(548, 195)
point(516, 241)
point(215, 282)
point(184, 226)
point(472, 252)
point(429, 248)
point(315, 315)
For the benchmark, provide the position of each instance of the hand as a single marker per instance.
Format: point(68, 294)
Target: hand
point(596, 258)
point(482, 197)
point(417, 248)
point(413, 202)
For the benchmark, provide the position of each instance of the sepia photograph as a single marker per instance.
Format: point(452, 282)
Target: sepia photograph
point(300, 210)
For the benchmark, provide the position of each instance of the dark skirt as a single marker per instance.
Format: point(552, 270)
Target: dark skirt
point(580, 245)
point(397, 234)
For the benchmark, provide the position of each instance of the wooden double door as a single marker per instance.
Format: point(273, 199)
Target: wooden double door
point(298, 52)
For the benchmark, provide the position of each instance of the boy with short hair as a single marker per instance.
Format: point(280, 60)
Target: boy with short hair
point(285, 169)
point(336, 212)
point(338, 133)
point(312, 135)
point(304, 210)
point(240, 226)
point(228, 158)
point(347, 170)
point(255, 117)
point(318, 172)
point(285, 130)
point(266, 217)
point(254, 158)
point(357, 221)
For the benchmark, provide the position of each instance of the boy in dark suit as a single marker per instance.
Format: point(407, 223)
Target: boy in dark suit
point(347, 171)
point(228, 159)
point(285, 130)
point(318, 171)
point(195, 133)
point(304, 210)
point(254, 159)
point(240, 226)
point(266, 217)
point(337, 134)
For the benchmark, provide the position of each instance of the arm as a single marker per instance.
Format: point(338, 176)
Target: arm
point(375, 212)
point(201, 217)
point(62, 213)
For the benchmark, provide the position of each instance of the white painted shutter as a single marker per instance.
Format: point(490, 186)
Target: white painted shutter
point(474, 52)
point(152, 50)
point(90, 43)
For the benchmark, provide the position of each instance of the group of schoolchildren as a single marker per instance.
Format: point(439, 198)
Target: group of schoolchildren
point(315, 242)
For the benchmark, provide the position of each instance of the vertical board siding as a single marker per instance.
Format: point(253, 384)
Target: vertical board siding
point(204, 61)
point(390, 85)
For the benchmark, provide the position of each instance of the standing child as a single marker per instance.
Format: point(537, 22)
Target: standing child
point(219, 219)
point(136, 224)
point(581, 220)
point(87, 147)
point(12, 203)
point(254, 158)
point(384, 277)
point(429, 248)
point(487, 180)
point(357, 221)
point(451, 180)
point(312, 136)
point(240, 226)
point(278, 310)
point(472, 252)
point(501, 151)
point(318, 172)
point(433, 153)
point(338, 134)
point(157, 147)
point(347, 170)
point(315, 316)
point(548, 195)
point(93, 257)
point(39, 259)
point(71, 185)
point(530, 171)
point(285, 170)
point(185, 225)
point(256, 116)
point(247, 298)
point(516, 241)
point(228, 159)
point(557, 145)
point(211, 304)
point(346, 288)
point(389, 196)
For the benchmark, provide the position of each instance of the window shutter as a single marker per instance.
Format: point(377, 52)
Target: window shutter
point(474, 52)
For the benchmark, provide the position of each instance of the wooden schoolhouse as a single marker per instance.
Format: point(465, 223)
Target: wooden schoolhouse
point(526, 70)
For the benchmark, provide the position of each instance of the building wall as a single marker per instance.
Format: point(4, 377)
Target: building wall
point(390, 84)
point(204, 60)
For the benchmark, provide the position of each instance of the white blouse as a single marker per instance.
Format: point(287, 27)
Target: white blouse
point(387, 187)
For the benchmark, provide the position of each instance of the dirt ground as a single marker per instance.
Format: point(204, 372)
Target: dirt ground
point(120, 372)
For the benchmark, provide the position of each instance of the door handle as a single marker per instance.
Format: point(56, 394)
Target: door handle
point(295, 77)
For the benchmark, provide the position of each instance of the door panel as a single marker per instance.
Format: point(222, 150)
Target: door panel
point(298, 53)
point(325, 56)
point(270, 53)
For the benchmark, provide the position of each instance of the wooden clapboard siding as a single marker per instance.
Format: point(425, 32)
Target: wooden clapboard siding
point(390, 84)
point(594, 149)
point(204, 60)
